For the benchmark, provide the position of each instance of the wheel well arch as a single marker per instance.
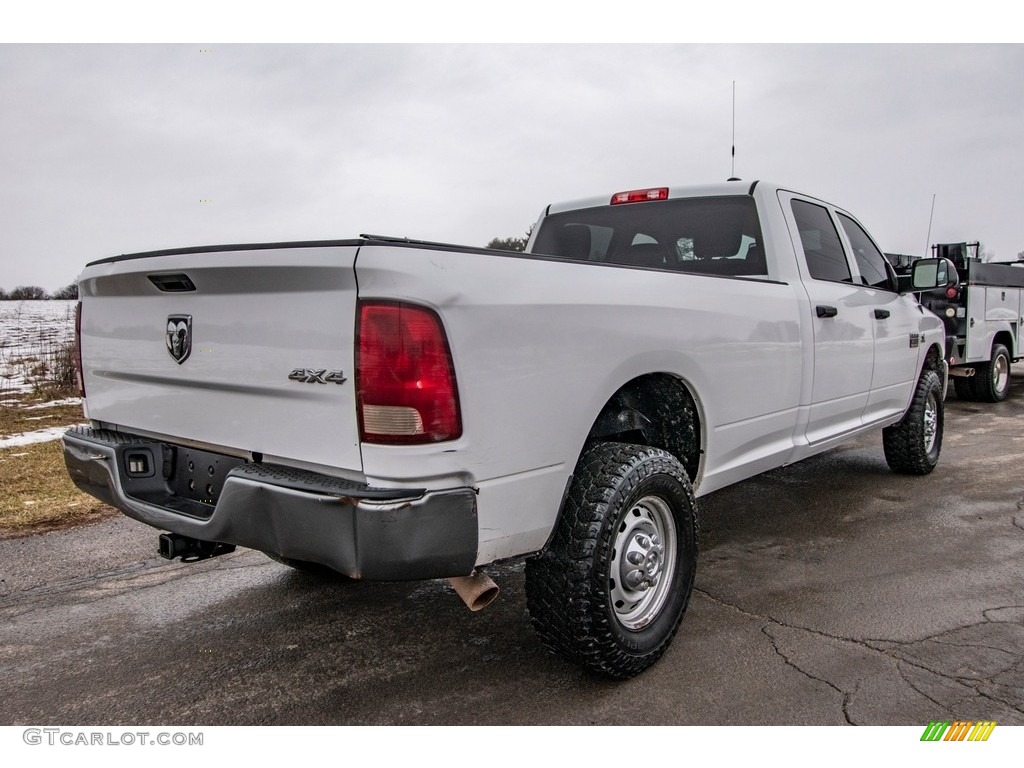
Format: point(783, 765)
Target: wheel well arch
point(657, 410)
point(933, 360)
point(1005, 338)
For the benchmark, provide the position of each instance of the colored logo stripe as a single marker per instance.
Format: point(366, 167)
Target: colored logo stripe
point(961, 730)
point(958, 731)
point(982, 731)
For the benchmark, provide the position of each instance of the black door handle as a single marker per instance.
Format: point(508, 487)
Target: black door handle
point(824, 311)
point(881, 314)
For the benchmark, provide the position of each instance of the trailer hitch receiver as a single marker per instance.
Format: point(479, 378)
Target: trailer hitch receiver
point(173, 545)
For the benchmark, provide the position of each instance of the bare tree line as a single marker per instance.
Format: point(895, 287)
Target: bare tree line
point(34, 293)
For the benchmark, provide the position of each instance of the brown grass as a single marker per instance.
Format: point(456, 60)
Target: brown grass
point(37, 495)
point(49, 371)
point(19, 418)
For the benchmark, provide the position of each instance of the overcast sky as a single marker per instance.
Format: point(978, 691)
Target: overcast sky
point(109, 149)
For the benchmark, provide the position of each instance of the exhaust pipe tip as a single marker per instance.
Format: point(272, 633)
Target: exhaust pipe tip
point(476, 590)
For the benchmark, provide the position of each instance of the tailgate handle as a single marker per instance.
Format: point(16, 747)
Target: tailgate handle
point(824, 311)
point(177, 283)
point(881, 314)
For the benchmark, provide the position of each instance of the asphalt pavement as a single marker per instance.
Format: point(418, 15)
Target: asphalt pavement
point(828, 592)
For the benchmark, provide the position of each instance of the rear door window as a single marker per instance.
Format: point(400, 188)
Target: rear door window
point(823, 250)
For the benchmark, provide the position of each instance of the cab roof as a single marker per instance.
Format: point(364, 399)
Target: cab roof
point(718, 189)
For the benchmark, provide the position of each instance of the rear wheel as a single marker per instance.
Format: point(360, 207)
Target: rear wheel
point(912, 446)
point(964, 387)
point(992, 379)
point(611, 589)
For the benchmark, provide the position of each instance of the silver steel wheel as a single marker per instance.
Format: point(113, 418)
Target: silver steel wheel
point(912, 445)
point(643, 561)
point(613, 585)
point(931, 421)
point(1000, 373)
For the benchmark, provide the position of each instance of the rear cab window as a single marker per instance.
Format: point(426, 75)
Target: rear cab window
point(709, 236)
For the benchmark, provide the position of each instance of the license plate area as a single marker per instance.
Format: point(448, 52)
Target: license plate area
point(199, 476)
point(183, 480)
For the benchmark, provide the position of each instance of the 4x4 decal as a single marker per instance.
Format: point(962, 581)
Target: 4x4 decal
point(317, 376)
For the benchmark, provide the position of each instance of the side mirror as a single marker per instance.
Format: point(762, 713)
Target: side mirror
point(929, 274)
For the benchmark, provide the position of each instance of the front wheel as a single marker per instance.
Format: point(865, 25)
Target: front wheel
point(611, 589)
point(912, 446)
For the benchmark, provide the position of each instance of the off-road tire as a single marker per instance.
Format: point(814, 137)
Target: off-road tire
point(912, 446)
point(581, 602)
point(991, 380)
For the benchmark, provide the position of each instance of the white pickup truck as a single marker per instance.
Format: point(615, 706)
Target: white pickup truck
point(393, 409)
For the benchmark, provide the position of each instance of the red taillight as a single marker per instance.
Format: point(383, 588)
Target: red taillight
point(404, 374)
point(640, 195)
point(951, 293)
point(79, 375)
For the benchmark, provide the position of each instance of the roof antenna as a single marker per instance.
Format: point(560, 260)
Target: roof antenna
point(732, 175)
point(928, 243)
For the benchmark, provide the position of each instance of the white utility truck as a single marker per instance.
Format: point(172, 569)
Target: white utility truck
point(393, 409)
point(983, 317)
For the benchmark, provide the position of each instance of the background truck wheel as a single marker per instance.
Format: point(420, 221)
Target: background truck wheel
point(912, 446)
point(314, 569)
point(612, 587)
point(992, 379)
point(964, 387)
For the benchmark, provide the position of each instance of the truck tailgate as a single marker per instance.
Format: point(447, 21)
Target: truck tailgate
point(248, 350)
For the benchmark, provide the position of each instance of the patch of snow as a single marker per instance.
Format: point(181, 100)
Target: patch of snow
point(28, 438)
point(51, 404)
point(31, 331)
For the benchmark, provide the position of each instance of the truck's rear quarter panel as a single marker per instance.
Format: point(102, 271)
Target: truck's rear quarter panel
point(539, 347)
